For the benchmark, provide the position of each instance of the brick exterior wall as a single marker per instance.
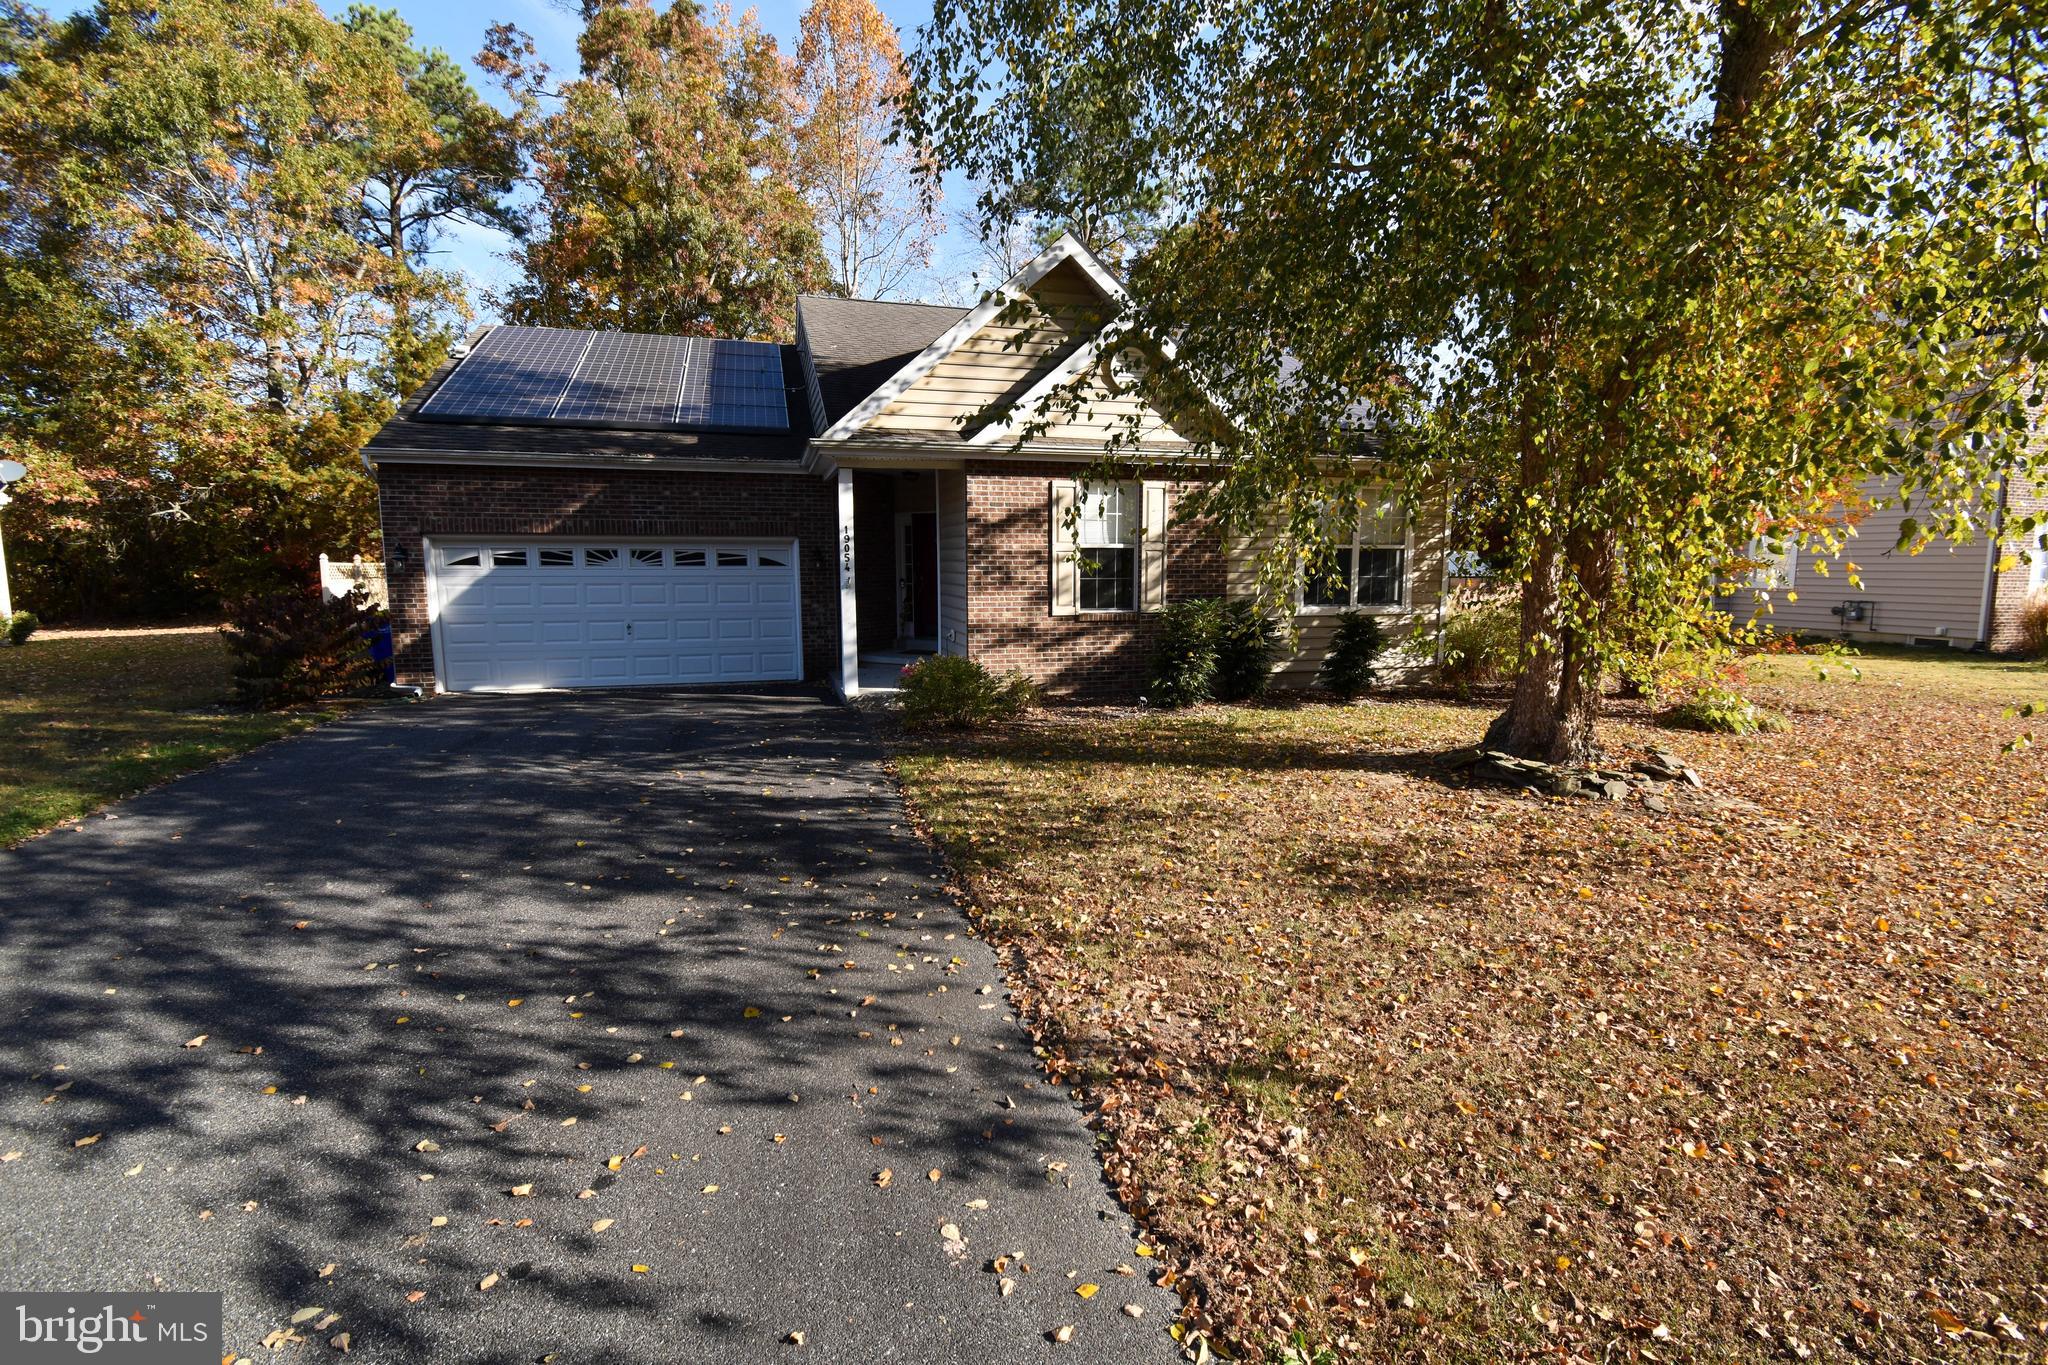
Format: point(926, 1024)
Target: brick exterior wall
point(416, 501)
point(2013, 591)
point(1009, 588)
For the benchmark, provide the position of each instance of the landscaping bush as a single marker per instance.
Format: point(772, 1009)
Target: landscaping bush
point(1184, 660)
point(1248, 644)
point(297, 646)
point(947, 692)
point(18, 627)
point(2034, 627)
point(1482, 645)
point(1723, 711)
point(1354, 653)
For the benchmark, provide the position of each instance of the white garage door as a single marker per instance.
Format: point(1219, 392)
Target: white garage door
point(525, 614)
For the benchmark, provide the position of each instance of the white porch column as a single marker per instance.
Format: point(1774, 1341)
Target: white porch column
point(849, 631)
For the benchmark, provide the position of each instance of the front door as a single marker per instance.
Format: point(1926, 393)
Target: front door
point(921, 556)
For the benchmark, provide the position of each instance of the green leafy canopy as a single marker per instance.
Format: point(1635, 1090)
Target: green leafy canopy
point(1638, 282)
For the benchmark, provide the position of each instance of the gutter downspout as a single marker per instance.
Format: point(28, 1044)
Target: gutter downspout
point(1990, 600)
point(1443, 585)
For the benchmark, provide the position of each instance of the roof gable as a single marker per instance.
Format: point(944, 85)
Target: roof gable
point(982, 378)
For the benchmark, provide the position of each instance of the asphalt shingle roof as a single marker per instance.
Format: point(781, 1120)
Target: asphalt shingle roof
point(857, 344)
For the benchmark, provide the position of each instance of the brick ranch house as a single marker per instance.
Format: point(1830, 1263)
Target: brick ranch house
point(568, 509)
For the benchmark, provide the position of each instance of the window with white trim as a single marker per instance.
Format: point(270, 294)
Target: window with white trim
point(1107, 536)
point(1368, 570)
point(2040, 554)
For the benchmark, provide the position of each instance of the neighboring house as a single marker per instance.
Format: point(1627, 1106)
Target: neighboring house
point(566, 509)
point(1948, 594)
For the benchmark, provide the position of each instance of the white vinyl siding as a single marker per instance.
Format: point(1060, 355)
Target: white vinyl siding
point(1936, 594)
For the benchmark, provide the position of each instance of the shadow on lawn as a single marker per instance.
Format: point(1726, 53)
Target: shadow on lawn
point(346, 919)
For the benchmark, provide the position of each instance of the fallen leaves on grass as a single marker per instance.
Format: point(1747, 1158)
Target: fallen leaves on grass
point(1784, 1058)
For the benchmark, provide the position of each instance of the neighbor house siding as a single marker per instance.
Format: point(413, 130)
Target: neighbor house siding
point(1010, 624)
point(1936, 594)
point(1410, 630)
point(420, 501)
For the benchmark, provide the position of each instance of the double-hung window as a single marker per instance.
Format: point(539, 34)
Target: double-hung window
point(1369, 568)
point(1107, 541)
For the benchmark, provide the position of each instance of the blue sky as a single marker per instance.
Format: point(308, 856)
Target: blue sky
point(457, 27)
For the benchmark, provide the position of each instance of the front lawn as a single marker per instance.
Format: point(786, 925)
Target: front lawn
point(86, 719)
point(1410, 1070)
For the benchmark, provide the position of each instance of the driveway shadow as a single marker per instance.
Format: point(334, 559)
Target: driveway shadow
point(623, 999)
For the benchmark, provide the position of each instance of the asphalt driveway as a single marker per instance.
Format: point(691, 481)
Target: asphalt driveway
point(619, 1003)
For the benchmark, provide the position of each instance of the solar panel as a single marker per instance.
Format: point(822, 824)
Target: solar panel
point(554, 376)
point(745, 385)
point(515, 373)
point(628, 380)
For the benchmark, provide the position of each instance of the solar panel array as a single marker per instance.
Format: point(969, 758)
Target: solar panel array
point(556, 376)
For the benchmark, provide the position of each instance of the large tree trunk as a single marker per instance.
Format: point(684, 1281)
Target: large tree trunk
point(1556, 703)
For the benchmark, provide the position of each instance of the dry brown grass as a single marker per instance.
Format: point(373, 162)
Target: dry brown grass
point(1418, 1071)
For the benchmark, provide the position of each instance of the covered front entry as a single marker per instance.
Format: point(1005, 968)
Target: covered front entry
point(510, 615)
point(908, 570)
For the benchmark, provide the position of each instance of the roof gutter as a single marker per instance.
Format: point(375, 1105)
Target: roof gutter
point(500, 460)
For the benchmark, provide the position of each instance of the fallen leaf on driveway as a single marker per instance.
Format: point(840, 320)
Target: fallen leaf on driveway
point(1087, 1291)
point(522, 1191)
point(306, 1314)
point(639, 1270)
point(487, 1281)
point(1063, 1334)
point(882, 1177)
point(600, 1225)
point(87, 1141)
point(200, 1041)
point(339, 1341)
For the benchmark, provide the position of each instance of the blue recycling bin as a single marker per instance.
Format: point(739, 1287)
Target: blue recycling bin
point(381, 650)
